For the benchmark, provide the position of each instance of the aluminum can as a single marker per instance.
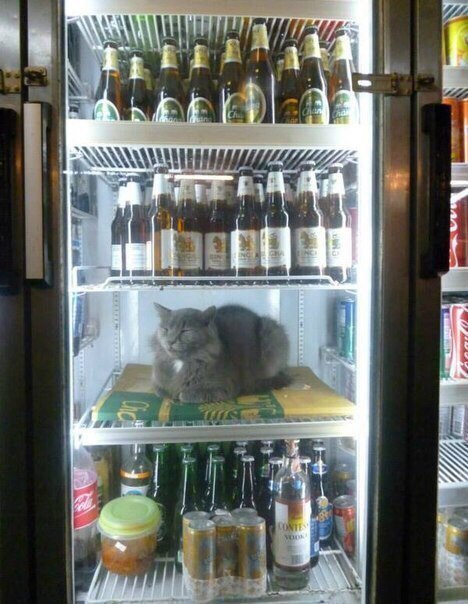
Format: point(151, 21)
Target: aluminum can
point(459, 352)
point(187, 519)
point(341, 474)
point(445, 341)
point(459, 233)
point(458, 420)
point(463, 111)
point(344, 512)
point(350, 329)
point(456, 41)
point(226, 546)
point(340, 327)
point(200, 550)
point(252, 547)
point(455, 153)
point(445, 421)
point(243, 512)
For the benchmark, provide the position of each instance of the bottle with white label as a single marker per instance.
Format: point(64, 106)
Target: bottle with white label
point(291, 535)
point(188, 244)
point(134, 230)
point(309, 241)
point(116, 231)
point(259, 194)
point(245, 236)
point(135, 473)
point(338, 222)
point(160, 241)
point(217, 235)
point(275, 235)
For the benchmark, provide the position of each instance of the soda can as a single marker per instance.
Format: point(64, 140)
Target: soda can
point(341, 474)
point(456, 41)
point(459, 352)
point(243, 512)
point(252, 547)
point(348, 313)
point(344, 511)
point(463, 106)
point(445, 421)
point(445, 341)
point(455, 128)
point(458, 234)
point(226, 546)
point(200, 550)
point(341, 327)
point(187, 519)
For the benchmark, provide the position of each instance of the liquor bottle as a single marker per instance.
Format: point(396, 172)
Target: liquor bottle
point(108, 105)
point(215, 493)
point(200, 107)
point(169, 96)
point(188, 247)
point(320, 493)
point(160, 242)
point(309, 241)
point(134, 230)
point(275, 238)
point(217, 234)
point(136, 109)
point(313, 107)
point(149, 88)
point(160, 492)
point(266, 503)
point(117, 249)
point(259, 194)
point(212, 450)
point(246, 484)
point(343, 102)
point(325, 61)
point(291, 89)
point(187, 501)
point(260, 81)
point(231, 96)
point(135, 473)
point(291, 538)
point(338, 221)
point(279, 66)
point(236, 468)
point(245, 236)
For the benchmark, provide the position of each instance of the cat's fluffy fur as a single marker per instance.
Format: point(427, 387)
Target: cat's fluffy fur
point(216, 354)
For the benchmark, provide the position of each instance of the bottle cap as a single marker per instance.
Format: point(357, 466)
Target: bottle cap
point(133, 177)
point(247, 458)
point(240, 451)
point(311, 29)
point(201, 41)
point(160, 169)
point(290, 42)
point(335, 168)
point(136, 52)
point(169, 41)
point(259, 21)
point(341, 31)
point(307, 166)
point(110, 42)
point(188, 460)
point(266, 450)
point(218, 459)
point(232, 34)
point(275, 461)
point(245, 171)
point(275, 166)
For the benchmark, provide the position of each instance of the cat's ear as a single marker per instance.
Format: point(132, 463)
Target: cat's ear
point(209, 314)
point(162, 311)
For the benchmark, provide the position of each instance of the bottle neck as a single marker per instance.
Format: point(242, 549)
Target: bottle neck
point(160, 185)
point(260, 38)
point(232, 54)
point(111, 59)
point(246, 187)
point(275, 183)
point(133, 194)
point(169, 57)
point(312, 47)
point(187, 191)
point(343, 48)
point(291, 59)
point(189, 484)
point(138, 450)
point(136, 69)
point(336, 184)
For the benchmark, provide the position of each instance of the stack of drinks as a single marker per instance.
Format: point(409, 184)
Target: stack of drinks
point(248, 89)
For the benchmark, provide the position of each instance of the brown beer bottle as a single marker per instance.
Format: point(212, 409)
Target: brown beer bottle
point(149, 87)
point(108, 105)
point(279, 66)
point(188, 247)
point(160, 242)
point(309, 229)
point(343, 102)
point(323, 194)
point(217, 235)
point(231, 96)
point(290, 90)
point(245, 236)
point(325, 61)
point(136, 107)
point(259, 194)
point(314, 103)
point(200, 108)
point(134, 230)
point(260, 81)
point(116, 230)
point(338, 225)
point(275, 235)
point(169, 96)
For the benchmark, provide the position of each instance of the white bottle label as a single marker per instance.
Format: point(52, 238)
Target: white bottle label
point(116, 257)
point(292, 533)
point(161, 185)
point(167, 248)
point(135, 256)
point(245, 249)
point(246, 186)
point(308, 182)
point(275, 182)
point(149, 256)
point(336, 184)
point(275, 247)
point(216, 251)
point(310, 247)
point(189, 250)
point(339, 247)
point(127, 490)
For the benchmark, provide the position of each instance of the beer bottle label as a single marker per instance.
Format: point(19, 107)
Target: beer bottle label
point(291, 536)
point(312, 47)
point(344, 108)
point(339, 247)
point(234, 109)
point(201, 57)
point(116, 257)
point(199, 111)
point(325, 518)
point(136, 115)
point(245, 249)
point(216, 251)
point(169, 110)
point(167, 248)
point(188, 248)
point(325, 59)
point(289, 111)
point(260, 37)
point(169, 57)
point(310, 246)
point(135, 256)
point(136, 68)
point(275, 244)
point(336, 184)
point(291, 60)
point(308, 182)
point(275, 183)
point(232, 54)
point(255, 104)
point(134, 490)
point(111, 59)
point(343, 48)
point(246, 186)
point(148, 79)
point(313, 108)
point(106, 111)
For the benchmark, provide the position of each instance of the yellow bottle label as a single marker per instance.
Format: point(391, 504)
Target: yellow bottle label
point(136, 68)
point(343, 48)
point(201, 57)
point(255, 103)
point(291, 60)
point(260, 36)
point(289, 111)
point(325, 59)
point(111, 59)
point(148, 79)
point(312, 46)
point(169, 56)
point(232, 51)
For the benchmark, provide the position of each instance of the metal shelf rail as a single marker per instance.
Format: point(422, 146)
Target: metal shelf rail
point(453, 472)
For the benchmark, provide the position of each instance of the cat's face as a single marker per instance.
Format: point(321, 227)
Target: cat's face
point(185, 332)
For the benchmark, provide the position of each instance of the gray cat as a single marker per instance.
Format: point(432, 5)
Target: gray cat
point(217, 354)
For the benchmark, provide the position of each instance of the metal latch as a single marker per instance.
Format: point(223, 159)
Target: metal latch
point(35, 76)
point(396, 84)
point(10, 81)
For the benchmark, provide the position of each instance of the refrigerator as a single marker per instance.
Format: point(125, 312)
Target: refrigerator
point(70, 329)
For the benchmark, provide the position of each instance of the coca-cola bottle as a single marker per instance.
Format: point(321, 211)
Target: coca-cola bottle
point(85, 515)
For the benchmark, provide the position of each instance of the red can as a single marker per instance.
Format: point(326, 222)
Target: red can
point(344, 512)
point(459, 233)
point(455, 128)
point(459, 352)
point(463, 107)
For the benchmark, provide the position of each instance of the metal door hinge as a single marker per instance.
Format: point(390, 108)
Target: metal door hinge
point(35, 76)
point(10, 81)
point(396, 84)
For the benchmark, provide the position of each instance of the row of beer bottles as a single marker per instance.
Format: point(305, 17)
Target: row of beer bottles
point(255, 237)
point(306, 94)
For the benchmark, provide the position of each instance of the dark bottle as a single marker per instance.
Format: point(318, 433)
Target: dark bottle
point(260, 81)
point(338, 221)
point(323, 194)
point(231, 95)
point(116, 231)
point(160, 492)
point(262, 467)
point(160, 243)
point(136, 105)
point(313, 107)
point(245, 236)
point(108, 105)
point(325, 61)
point(148, 195)
point(275, 238)
point(134, 230)
point(212, 450)
point(236, 468)
point(320, 492)
point(265, 504)
point(215, 493)
point(149, 88)
point(306, 465)
point(279, 66)
point(343, 102)
point(187, 501)
point(309, 242)
point(169, 95)
point(135, 473)
point(188, 247)
point(259, 194)
point(290, 89)
point(217, 233)
point(246, 484)
point(200, 108)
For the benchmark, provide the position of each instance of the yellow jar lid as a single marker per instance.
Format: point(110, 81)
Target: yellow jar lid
point(129, 517)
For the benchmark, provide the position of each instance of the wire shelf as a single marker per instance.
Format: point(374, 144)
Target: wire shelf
point(453, 472)
point(454, 8)
point(78, 91)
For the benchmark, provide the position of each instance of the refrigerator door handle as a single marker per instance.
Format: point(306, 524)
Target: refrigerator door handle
point(436, 124)
point(37, 193)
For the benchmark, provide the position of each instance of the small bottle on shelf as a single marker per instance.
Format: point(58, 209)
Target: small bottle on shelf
point(108, 105)
point(217, 233)
point(231, 97)
point(245, 236)
point(169, 97)
point(117, 249)
point(135, 473)
point(160, 242)
point(290, 90)
point(188, 247)
point(338, 224)
point(314, 102)
point(134, 229)
point(136, 105)
point(200, 106)
point(344, 107)
point(187, 501)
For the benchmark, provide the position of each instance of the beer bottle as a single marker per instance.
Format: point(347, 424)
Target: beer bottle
point(320, 493)
point(231, 97)
point(108, 105)
point(212, 451)
point(338, 224)
point(169, 96)
point(217, 235)
point(325, 61)
point(260, 81)
point(135, 473)
point(245, 236)
point(160, 492)
point(116, 231)
point(149, 88)
point(187, 501)
point(137, 100)
point(200, 95)
point(148, 195)
point(290, 90)
point(215, 493)
point(134, 230)
point(343, 102)
point(259, 194)
point(235, 470)
point(160, 243)
point(230, 191)
point(279, 66)
point(246, 484)
point(309, 228)
point(265, 504)
point(275, 239)
point(323, 194)
point(188, 247)
point(262, 467)
point(289, 195)
point(314, 103)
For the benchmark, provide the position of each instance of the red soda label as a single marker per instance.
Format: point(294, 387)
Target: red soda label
point(458, 233)
point(85, 503)
point(345, 517)
point(459, 352)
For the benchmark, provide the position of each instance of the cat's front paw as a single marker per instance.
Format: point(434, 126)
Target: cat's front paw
point(191, 396)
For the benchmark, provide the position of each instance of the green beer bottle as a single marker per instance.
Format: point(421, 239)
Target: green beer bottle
point(160, 492)
point(187, 501)
point(215, 493)
point(200, 96)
